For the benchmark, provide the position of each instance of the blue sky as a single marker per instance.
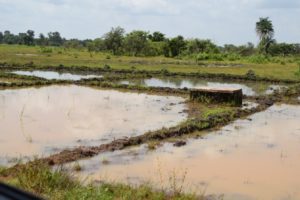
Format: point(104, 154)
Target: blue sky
point(223, 21)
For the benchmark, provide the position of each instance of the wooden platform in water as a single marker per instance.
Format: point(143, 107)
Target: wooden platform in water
point(215, 95)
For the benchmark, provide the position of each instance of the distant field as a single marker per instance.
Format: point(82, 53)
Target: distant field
point(54, 56)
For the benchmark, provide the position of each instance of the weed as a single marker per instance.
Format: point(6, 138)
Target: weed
point(152, 145)
point(77, 167)
point(105, 161)
point(177, 183)
point(58, 184)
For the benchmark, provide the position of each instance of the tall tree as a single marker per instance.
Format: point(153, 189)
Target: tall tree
point(177, 45)
point(9, 38)
point(113, 40)
point(55, 39)
point(201, 46)
point(136, 42)
point(42, 40)
point(29, 40)
point(265, 31)
point(1, 37)
point(157, 37)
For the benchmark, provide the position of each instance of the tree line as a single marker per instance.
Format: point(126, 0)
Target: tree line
point(142, 43)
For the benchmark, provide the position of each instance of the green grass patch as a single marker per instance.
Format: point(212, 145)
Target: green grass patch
point(59, 184)
point(270, 68)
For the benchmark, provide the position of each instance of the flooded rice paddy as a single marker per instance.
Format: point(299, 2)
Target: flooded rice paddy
point(249, 88)
point(50, 75)
point(39, 121)
point(254, 158)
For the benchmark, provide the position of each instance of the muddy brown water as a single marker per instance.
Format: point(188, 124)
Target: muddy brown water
point(254, 158)
point(46, 120)
point(50, 75)
point(249, 88)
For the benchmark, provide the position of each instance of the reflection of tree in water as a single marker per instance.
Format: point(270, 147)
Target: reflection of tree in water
point(181, 82)
point(175, 81)
point(2, 106)
point(258, 88)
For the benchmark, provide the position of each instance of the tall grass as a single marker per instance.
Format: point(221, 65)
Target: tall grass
point(58, 184)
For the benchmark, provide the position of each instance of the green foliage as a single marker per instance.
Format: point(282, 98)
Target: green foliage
point(73, 43)
point(136, 43)
point(216, 111)
point(157, 37)
point(258, 59)
point(141, 43)
point(251, 74)
point(113, 40)
point(284, 49)
point(298, 72)
point(265, 31)
point(40, 179)
point(1, 37)
point(106, 67)
point(209, 56)
point(46, 50)
point(177, 45)
point(54, 39)
point(242, 50)
point(58, 184)
point(196, 46)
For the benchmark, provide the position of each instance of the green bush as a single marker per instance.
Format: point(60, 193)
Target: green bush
point(258, 59)
point(46, 50)
point(233, 57)
point(209, 56)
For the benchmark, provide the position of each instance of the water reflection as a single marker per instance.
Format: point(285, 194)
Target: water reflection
point(55, 75)
point(249, 88)
point(45, 120)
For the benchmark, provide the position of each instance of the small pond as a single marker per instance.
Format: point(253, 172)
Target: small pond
point(254, 158)
point(50, 75)
point(249, 88)
point(46, 120)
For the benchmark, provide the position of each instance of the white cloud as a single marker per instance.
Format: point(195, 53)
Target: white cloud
point(224, 21)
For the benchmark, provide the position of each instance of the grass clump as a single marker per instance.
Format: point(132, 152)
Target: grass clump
point(40, 179)
point(77, 167)
point(216, 111)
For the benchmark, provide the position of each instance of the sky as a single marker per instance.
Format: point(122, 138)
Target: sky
point(222, 21)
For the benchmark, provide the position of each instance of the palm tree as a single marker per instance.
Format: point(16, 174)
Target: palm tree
point(265, 31)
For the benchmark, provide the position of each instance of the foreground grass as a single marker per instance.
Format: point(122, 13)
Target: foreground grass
point(58, 184)
point(287, 68)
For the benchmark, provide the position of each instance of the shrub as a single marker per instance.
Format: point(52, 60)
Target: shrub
point(258, 59)
point(46, 50)
point(106, 67)
point(251, 74)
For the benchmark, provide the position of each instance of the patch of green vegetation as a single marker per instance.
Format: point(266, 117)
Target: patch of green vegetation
point(263, 67)
point(209, 112)
point(77, 167)
point(152, 145)
point(59, 184)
